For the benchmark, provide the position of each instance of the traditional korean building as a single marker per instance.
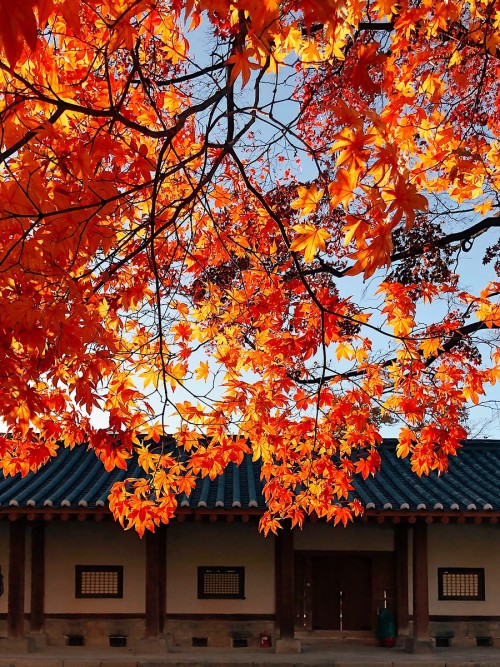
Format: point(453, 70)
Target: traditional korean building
point(427, 548)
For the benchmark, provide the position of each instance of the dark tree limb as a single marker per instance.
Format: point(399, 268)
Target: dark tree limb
point(455, 338)
point(464, 237)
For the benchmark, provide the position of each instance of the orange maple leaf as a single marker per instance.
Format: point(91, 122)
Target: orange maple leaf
point(342, 514)
point(242, 66)
point(352, 147)
point(369, 257)
point(342, 189)
point(308, 199)
point(430, 346)
point(17, 25)
point(403, 199)
point(310, 239)
point(201, 373)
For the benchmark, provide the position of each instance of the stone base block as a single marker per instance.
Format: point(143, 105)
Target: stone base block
point(418, 646)
point(153, 644)
point(16, 645)
point(36, 641)
point(287, 645)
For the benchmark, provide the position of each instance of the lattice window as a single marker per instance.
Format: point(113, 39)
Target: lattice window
point(461, 583)
point(221, 583)
point(98, 581)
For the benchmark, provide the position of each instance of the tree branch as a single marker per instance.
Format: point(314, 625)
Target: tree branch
point(463, 237)
point(452, 342)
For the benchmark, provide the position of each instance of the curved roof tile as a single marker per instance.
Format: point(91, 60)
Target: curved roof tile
point(76, 479)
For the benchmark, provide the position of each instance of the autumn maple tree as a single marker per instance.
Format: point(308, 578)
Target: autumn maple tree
point(242, 222)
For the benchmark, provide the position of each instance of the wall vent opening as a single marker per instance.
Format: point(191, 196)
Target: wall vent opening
point(199, 641)
point(117, 641)
point(240, 642)
point(75, 640)
point(484, 641)
point(442, 642)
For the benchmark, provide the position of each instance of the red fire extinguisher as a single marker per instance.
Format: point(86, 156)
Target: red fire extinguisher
point(265, 640)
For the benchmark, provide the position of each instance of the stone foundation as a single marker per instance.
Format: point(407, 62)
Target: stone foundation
point(218, 633)
point(95, 632)
point(102, 632)
point(465, 634)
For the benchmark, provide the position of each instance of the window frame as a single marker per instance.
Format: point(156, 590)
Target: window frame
point(81, 569)
point(203, 570)
point(474, 571)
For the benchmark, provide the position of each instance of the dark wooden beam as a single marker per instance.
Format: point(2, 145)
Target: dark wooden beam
point(285, 590)
point(162, 581)
point(155, 583)
point(37, 577)
point(17, 557)
point(401, 548)
point(420, 584)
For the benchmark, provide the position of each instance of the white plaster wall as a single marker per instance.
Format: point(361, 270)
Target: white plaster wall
point(90, 543)
point(190, 545)
point(455, 545)
point(353, 537)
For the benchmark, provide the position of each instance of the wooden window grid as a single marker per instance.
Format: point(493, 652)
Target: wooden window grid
point(98, 581)
point(221, 583)
point(461, 583)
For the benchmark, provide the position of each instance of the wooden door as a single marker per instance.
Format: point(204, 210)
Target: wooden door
point(341, 592)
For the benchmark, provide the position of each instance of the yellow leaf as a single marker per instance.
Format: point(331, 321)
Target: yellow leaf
point(471, 395)
point(175, 372)
point(342, 190)
point(154, 432)
point(386, 8)
point(344, 351)
point(150, 376)
point(432, 86)
point(201, 373)
point(430, 346)
point(494, 374)
point(309, 239)
point(489, 313)
point(405, 442)
point(401, 322)
point(484, 207)
point(308, 199)
point(356, 229)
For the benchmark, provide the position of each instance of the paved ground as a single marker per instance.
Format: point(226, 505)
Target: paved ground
point(338, 656)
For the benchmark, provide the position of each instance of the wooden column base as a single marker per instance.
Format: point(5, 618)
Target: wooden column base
point(420, 585)
point(155, 583)
point(17, 558)
point(285, 593)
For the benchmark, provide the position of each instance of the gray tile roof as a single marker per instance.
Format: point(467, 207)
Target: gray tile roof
point(76, 480)
point(471, 484)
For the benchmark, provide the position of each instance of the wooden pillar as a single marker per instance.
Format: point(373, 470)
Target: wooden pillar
point(15, 603)
point(401, 547)
point(285, 594)
point(162, 581)
point(420, 584)
point(37, 577)
point(155, 583)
